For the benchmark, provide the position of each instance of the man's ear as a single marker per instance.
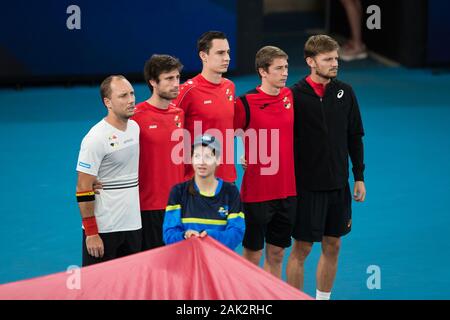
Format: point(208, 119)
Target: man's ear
point(310, 61)
point(107, 103)
point(152, 83)
point(262, 72)
point(203, 56)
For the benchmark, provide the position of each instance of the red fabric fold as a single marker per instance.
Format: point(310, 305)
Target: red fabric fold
point(195, 269)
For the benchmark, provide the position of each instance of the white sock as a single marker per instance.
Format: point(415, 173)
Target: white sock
point(322, 295)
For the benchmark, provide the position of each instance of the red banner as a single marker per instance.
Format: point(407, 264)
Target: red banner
point(194, 269)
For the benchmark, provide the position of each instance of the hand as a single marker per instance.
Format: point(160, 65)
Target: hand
point(359, 191)
point(97, 186)
point(95, 246)
point(244, 163)
point(191, 233)
point(203, 234)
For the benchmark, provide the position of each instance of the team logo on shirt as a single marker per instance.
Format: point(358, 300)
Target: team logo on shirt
point(229, 94)
point(177, 121)
point(113, 141)
point(287, 103)
point(340, 94)
point(223, 211)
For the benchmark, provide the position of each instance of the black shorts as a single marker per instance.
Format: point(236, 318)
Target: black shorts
point(270, 221)
point(116, 244)
point(152, 223)
point(323, 213)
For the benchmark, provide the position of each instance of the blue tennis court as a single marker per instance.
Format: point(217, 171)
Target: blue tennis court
point(402, 228)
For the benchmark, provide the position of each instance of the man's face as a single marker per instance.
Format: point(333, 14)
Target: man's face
point(325, 65)
point(122, 99)
point(204, 161)
point(218, 58)
point(168, 86)
point(277, 73)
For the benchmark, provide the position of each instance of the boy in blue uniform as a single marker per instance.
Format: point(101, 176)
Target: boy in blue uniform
point(205, 205)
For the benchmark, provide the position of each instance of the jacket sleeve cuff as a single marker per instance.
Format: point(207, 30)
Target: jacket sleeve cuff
point(358, 175)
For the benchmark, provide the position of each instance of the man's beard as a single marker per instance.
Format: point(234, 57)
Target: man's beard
point(125, 116)
point(325, 76)
point(167, 96)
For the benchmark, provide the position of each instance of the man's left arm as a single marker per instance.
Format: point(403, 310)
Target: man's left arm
point(356, 149)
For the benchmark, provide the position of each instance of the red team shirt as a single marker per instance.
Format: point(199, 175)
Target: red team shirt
point(213, 105)
point(157, 172)
point(269, 112)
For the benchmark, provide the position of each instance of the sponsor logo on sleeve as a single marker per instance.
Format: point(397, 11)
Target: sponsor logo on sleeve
point(84, 165)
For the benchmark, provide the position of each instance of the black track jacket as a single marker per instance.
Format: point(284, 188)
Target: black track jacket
point(326, 131)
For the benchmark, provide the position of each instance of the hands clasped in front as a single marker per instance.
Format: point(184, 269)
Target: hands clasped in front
point(192, 233)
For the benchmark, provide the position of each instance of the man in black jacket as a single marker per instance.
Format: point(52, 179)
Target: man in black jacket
point(328, 129)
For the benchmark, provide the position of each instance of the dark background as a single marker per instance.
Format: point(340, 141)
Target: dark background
point(36, 47)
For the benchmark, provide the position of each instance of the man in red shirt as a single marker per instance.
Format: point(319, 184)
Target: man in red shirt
point(208, 101)
point(268, 187)
point(158, 118)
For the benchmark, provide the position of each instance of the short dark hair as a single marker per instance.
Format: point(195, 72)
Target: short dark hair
point(158, 64)
point(204, 43)
point(319, 44)
point(105, 86)
point(265, 57)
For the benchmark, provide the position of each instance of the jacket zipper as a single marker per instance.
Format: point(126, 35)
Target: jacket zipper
point(323, 115)
point(330, 168)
